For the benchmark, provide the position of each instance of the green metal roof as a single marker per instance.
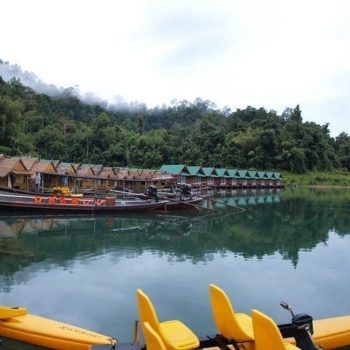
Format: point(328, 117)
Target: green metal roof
point(175, 169)
point(253, 174)
point(262, 174)
point(193, 170)
point(221, 172)
point(232, 173)
point(242, 173)
point(209, 171)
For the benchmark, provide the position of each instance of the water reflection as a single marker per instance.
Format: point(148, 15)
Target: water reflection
point(268, 225)
point(292, 245)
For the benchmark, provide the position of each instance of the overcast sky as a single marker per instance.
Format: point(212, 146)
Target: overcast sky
point(262, 53)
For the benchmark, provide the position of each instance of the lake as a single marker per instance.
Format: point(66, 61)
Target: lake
point(290, 245)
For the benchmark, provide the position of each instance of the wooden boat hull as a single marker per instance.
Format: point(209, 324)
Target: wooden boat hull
point(89, 205)
point(81, 206)
point(50, 334)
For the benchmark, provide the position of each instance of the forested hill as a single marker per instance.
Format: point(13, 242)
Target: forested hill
point(197, 133)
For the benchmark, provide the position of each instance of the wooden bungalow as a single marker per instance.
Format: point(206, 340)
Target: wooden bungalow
point(157, 178)
point(194, 176)
point(48, 173)
point(242, 181)
point(124, 179)
point(100, 183)
point(14, 174)
point(278, 178)
point(252, 178)
point(141, 178)
point(262, 182)
point(85, 177)
point(164, 178)
point(67, 173)
point(108, 177)
point(179, 171)
point(270, 179)
point(138, 180)
point(222, 175)
point(232, 178)
point(209, 176)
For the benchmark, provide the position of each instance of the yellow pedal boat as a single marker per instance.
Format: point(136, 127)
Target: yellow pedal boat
point(18, 324)
point(241, 331)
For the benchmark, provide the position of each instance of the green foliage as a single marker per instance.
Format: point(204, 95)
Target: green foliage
point(317, 178)
point(195, 133)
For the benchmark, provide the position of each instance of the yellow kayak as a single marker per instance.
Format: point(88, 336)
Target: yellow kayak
point(18, 324)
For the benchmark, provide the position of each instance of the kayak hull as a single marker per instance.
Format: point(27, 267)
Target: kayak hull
point(51, 334)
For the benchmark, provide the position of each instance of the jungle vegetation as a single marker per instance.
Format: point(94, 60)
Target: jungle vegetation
point(193, 133)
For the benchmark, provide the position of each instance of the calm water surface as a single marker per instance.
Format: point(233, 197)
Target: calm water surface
point(292, 245)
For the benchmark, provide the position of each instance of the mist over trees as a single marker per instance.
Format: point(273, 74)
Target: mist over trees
point(65, 128)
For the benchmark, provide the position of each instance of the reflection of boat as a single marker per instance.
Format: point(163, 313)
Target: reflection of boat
point(90, 205)
point(18, 324)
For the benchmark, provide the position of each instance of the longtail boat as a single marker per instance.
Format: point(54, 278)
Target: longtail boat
point(108, 204)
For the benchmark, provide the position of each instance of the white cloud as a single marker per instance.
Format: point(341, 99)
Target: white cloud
point(272, 54)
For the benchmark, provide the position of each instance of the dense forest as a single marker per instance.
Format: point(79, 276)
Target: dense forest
point(196, 133)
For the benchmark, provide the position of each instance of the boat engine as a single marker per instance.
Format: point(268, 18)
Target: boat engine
point(300, 328)
point(152, 192)
point(185, 191)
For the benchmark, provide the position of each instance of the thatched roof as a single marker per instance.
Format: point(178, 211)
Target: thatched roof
point(108, 172)
point(29, 162)
point(96, 169)
point(66, 169)
point(85, 170)
point(43, 166)
point(8, 165)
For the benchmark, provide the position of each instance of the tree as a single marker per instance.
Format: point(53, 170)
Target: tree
point(342, 148)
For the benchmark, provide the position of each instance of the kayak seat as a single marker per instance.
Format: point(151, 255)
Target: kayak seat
point(152, 338)
point(174, 334)
point(230, 324)
point(267, 334)
point(9, 312)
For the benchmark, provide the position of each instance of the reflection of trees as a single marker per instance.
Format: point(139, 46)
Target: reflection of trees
point(299, 222)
